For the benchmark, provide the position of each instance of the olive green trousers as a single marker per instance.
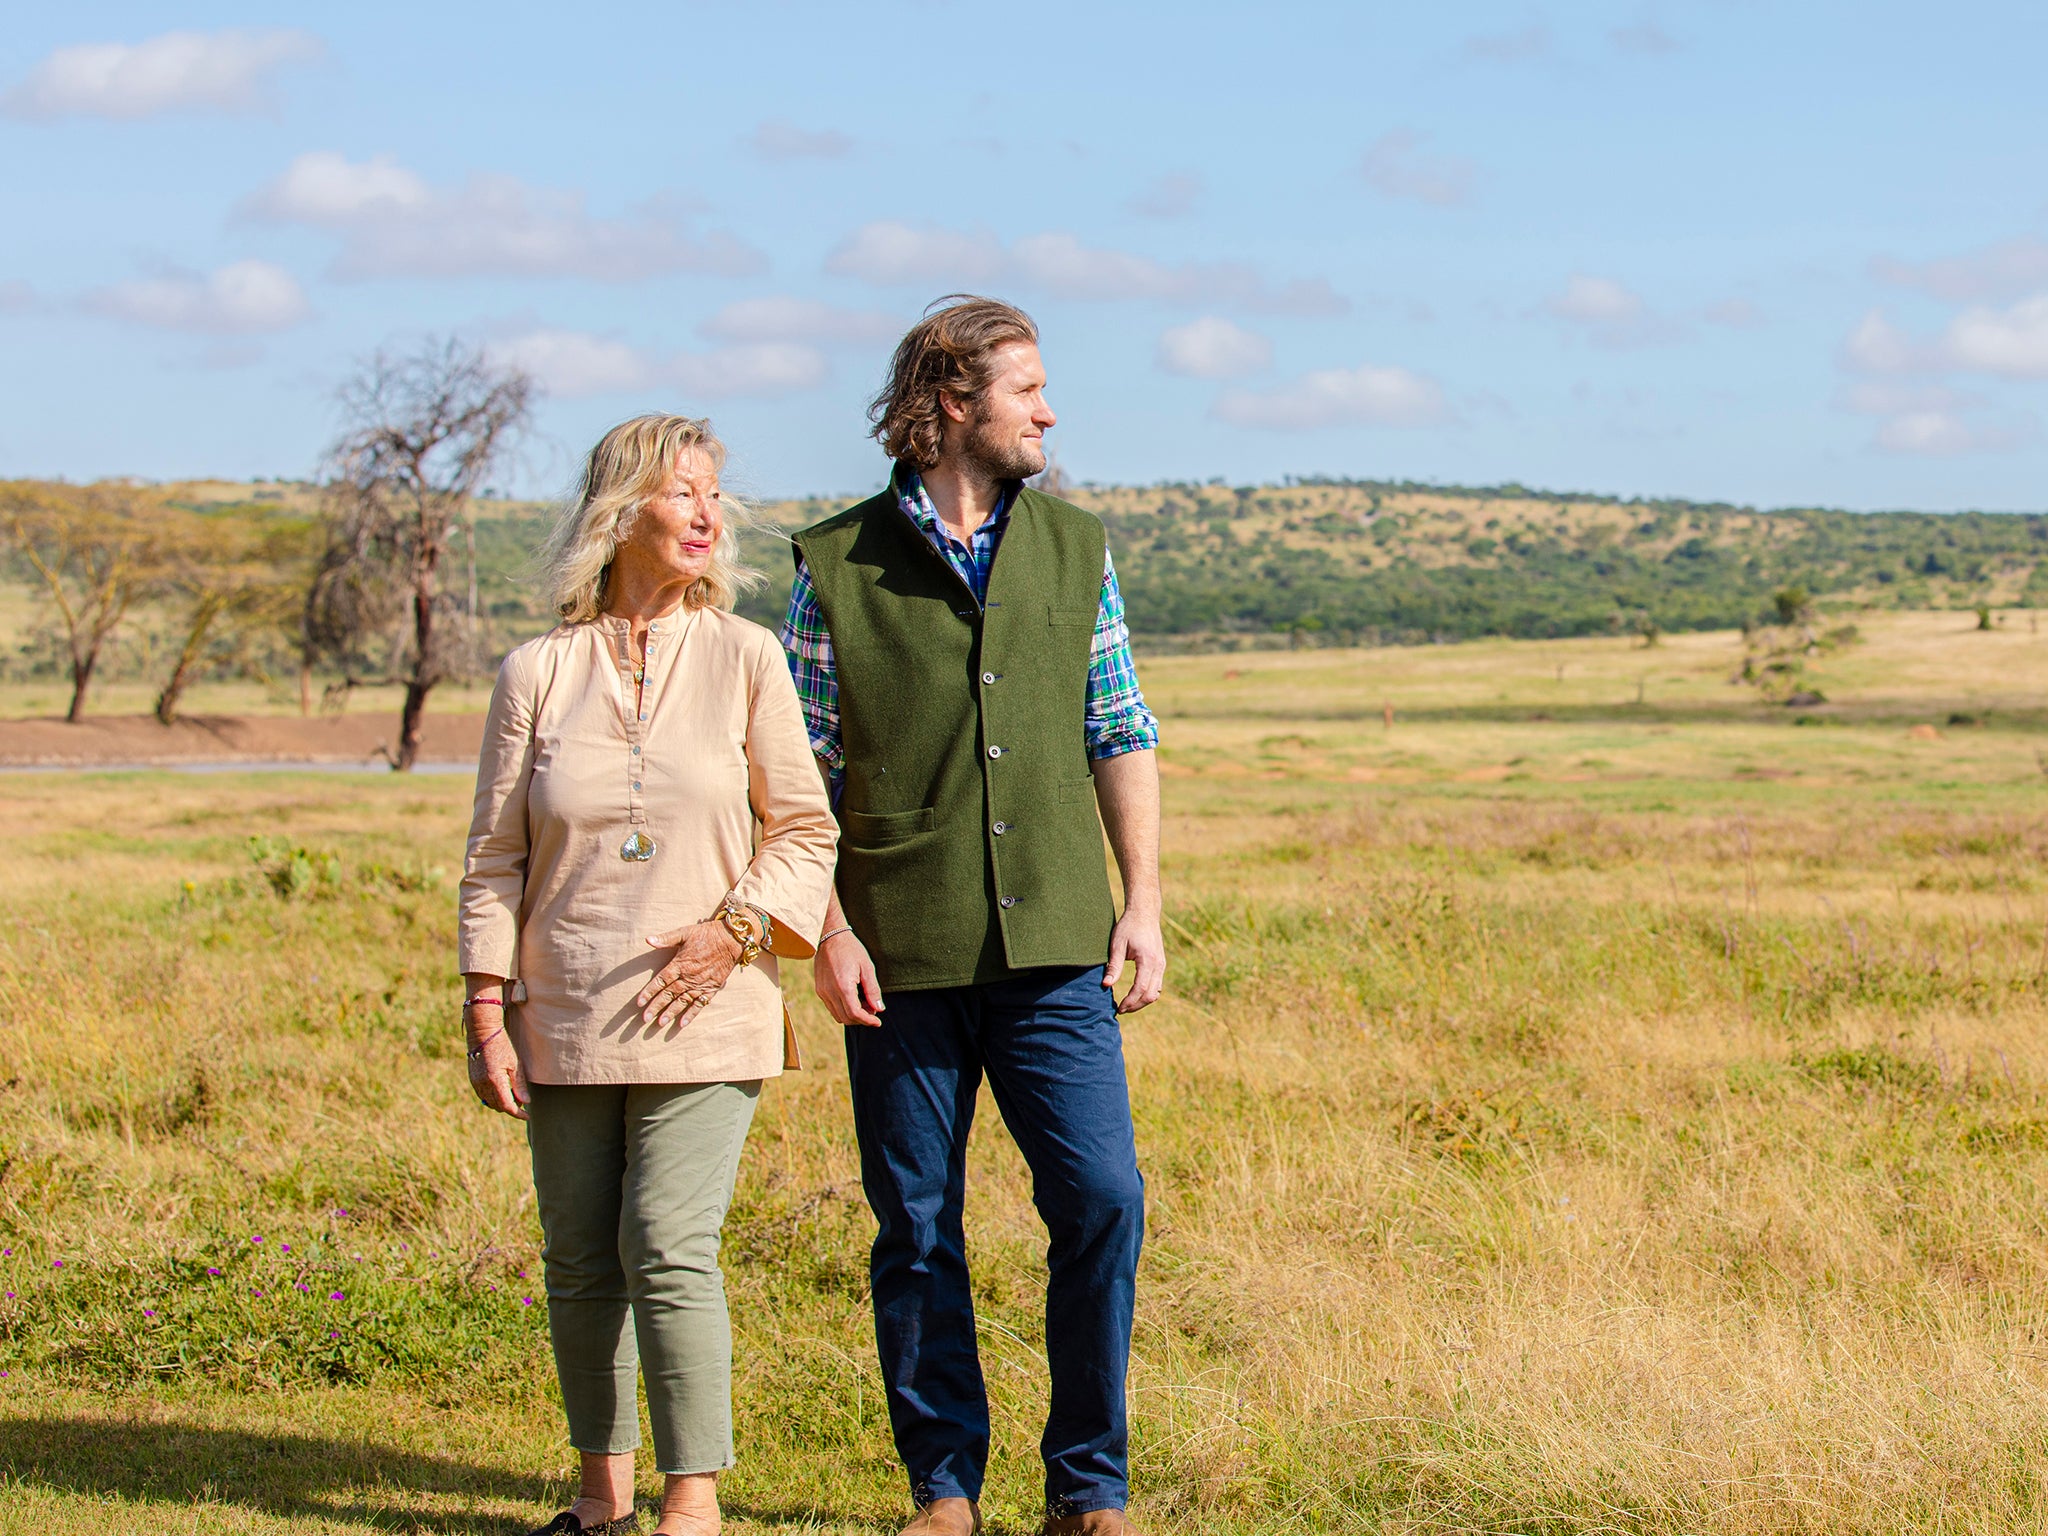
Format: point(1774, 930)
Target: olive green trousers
point(633, 1181)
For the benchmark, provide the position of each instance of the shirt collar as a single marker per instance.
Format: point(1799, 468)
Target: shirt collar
point(916, 503)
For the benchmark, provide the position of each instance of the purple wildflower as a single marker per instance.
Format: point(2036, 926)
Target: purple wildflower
point(286, 1247)
point(148, 1312)
point(337, 1296)
point(305, 1287)
point(256, 1240)
point(527, 1299)
point(56, 1263)
point(211, 1270)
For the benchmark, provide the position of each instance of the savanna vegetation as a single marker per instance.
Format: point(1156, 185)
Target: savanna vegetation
point(1588, 1098)
point(398, 543)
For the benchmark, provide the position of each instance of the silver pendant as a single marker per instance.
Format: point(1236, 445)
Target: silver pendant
point(638, 848)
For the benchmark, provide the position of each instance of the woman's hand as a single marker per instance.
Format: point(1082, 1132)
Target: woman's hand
point(494, 1068)
point(705, 956)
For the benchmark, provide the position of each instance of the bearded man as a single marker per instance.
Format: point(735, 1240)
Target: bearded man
point(959, 645)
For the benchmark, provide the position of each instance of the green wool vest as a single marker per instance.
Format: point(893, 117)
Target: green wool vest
point(969, 842)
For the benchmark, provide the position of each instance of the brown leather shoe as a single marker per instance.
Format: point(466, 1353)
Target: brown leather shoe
point(946, 1517)
point(1096, 1522)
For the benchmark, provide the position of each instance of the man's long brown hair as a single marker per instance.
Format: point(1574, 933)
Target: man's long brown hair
point(950, 351)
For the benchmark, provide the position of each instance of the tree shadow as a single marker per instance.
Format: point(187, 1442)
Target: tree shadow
point(285, 1475)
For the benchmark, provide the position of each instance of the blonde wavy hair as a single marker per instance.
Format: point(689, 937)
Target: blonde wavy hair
point(626, 470)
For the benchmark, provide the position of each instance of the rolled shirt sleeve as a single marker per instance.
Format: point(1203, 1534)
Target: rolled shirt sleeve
point(1115, 719)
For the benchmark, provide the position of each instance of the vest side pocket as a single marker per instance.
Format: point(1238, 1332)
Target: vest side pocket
point(867, 830)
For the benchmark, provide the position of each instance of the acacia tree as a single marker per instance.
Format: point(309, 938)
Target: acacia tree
point(238, 577)
point(98, 552)
point(425, 430)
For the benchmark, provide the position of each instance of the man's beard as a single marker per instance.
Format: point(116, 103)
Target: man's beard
point(1000, 457)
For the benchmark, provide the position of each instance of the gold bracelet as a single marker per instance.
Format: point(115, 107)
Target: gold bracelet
point(741, 927)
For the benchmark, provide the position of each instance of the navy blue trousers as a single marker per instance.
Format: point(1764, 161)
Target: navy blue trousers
point(1049, 1044)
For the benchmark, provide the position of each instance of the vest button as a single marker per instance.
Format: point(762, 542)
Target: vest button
point(988, 677)
point(995, 751)
point(1009, 901)
point(1000, 828)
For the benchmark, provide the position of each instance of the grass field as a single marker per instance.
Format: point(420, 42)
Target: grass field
point(1592, 1102)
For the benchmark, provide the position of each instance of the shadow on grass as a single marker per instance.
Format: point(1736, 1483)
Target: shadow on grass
point(294, 1475)
point(284, 1475)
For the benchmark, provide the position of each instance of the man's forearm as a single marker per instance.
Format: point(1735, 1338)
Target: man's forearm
point(1127, 789)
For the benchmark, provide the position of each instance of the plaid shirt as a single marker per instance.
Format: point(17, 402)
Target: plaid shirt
point(1115, 719)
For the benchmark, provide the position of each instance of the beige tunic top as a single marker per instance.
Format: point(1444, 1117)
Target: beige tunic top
point(716, 768)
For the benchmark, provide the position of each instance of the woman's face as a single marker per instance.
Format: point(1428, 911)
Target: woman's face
point(678, 528)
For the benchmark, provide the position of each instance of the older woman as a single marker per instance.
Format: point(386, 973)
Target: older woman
point(650, 833)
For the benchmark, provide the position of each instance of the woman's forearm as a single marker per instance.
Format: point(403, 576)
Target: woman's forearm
point(483, 1005)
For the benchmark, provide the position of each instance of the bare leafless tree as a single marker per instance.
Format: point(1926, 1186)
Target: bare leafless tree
point(424, 431)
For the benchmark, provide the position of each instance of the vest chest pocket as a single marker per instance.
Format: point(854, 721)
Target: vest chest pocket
point(866, 830)
point(1073, 616)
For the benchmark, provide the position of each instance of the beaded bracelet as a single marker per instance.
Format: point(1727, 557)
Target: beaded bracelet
point(483, 1002)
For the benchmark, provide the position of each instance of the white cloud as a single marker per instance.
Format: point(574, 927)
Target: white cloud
point(179, 71)
point(785, 318)
point(1941, 434)
point(1213, 348)
point(1932, 420)
point(244, 297)
point(1394, 165)
point(887, 253)
point(325, 188)
point(1611, 314)
point(779, 139)
point(1736, 314)
point(392, 223)
point(2012, 342)
point(1878, 346)
point(1594, 301)
point(1333, 397)
point(576, 364)
point(1171, 196)
point(1530, 42)
point(2009, 269)
point(1645, 37)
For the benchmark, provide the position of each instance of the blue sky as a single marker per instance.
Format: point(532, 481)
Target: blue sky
point(1775, 253)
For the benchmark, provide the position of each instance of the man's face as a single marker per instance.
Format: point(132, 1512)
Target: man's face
point(1007, 422)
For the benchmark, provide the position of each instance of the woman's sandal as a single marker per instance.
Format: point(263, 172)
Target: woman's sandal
point(566, 1524)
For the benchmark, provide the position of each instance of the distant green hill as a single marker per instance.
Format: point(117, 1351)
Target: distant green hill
point(1371, 562)
point(1384, 562)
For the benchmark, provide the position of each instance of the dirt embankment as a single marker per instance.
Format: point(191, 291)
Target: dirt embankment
point(139, 739)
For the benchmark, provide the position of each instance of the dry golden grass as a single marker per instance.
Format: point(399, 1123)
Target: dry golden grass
point(1633, 1120)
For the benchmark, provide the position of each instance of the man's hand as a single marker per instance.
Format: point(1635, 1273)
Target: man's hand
point(845, 981)
point(1136, 938)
